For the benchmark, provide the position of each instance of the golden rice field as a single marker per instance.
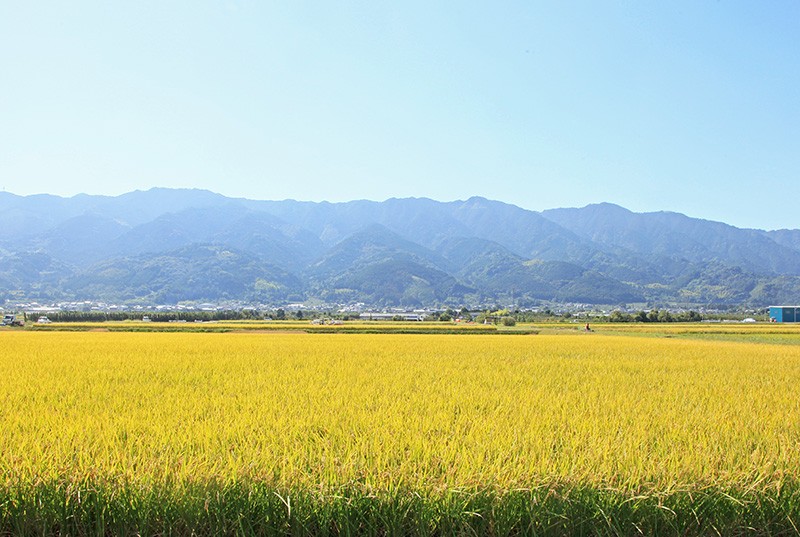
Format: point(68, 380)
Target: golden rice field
point(575, 433)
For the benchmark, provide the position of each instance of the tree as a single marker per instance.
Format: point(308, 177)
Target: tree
point(619, 317)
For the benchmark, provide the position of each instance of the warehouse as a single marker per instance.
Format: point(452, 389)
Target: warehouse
point(784, 314)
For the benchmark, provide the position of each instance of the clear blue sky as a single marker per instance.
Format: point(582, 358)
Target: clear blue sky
point(689, 106)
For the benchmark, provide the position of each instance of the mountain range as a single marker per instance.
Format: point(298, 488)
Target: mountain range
point(173, 245)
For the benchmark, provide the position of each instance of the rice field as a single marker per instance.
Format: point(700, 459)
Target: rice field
point(294, 434)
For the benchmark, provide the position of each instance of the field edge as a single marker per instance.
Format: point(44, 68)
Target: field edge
point(256, 509)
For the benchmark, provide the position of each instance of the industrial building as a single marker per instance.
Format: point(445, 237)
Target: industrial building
point(784, 314)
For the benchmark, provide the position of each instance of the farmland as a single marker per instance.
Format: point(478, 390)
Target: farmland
point(623, 431)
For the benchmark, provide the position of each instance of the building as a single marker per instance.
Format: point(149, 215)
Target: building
point(784, 314)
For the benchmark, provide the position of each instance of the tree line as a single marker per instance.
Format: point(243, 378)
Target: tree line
point(655, 316)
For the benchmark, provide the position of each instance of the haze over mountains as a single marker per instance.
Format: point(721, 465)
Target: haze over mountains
point(169, 246)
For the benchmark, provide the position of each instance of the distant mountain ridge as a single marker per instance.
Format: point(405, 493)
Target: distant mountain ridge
point(169, 246)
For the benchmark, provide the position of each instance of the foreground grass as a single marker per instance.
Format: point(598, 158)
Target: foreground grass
point(162, 433)
point(255, 509)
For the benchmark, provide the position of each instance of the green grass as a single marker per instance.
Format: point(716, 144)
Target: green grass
point(770, 339)
point(254, 509)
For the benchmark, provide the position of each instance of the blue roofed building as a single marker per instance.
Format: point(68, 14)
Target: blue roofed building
point(784, 314)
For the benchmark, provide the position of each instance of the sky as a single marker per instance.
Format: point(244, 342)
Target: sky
point(689, 106)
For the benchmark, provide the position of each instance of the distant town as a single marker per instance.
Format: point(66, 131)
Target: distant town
point(98, 310)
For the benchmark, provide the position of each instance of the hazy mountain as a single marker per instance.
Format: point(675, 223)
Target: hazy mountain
point(378, 266)
point(785, 237)
point(230, 224)
point(29, 215)
point(81, 239)
point(678, 236)
point(22, 216)
point(172, 245)
point(422, 220)
point(374, 243)
point(196, 272)
point(499, 273)
point(27, 274)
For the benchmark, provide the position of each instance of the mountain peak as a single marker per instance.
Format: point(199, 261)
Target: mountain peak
point(607, 206)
